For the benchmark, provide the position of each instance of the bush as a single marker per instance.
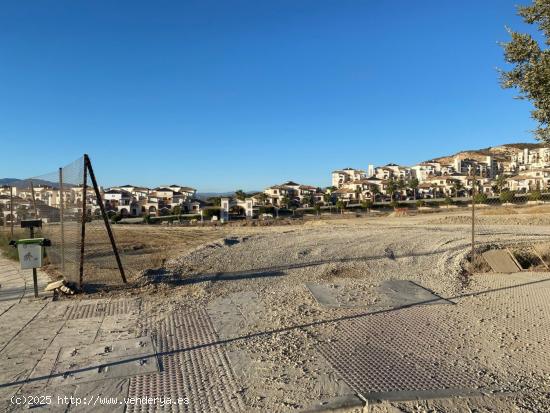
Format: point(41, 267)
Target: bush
point(147, 219)
point(480, 198)
point(366, 204)
point(116, 218)
point(394, 204)
point(507, 196)
point(448, 201)
point(535, 196)
point(420, 203)
point(208, 213)
point(267, 210)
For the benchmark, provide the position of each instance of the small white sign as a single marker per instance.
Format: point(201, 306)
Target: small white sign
point(30, 255)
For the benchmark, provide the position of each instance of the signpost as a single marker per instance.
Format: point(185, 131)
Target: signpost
point(31, 250)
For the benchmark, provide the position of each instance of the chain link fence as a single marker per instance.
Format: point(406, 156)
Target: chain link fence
point(71, 217)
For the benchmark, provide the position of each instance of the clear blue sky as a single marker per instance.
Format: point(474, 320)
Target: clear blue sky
point(222, 95)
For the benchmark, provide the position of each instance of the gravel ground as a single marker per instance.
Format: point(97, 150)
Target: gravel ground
point(276, 327)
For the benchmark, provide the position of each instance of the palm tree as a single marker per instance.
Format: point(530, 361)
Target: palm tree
point(285, 201)
point(262, 197)
point(500, 183)
point(340, 205)
point(391, 188)
point(374, 191)
point(413, 184)
point(457, 186)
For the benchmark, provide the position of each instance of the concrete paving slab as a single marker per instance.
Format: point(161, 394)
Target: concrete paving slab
point(500, 261)
point(14, 320)
point(105, 360)
point(105, 396)
point(389, 294)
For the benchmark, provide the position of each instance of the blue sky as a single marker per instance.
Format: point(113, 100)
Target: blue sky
point(222, 95)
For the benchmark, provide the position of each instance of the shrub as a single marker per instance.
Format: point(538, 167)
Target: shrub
point(394, 204)
point(366, 204)
point(480, 198)
point(535, 196)
point(208, 213)
point(147, 219)
point(116, 218)
point(448, 201)
point(420, 203)
point(507, 196)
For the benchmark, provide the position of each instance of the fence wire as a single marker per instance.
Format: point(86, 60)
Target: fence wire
point(57, 199)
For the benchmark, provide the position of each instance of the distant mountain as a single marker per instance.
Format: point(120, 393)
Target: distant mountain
point(205, 195)
point(26, 183)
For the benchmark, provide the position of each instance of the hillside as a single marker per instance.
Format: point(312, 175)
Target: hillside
point(500, 153)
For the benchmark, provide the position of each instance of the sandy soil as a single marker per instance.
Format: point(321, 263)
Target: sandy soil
point(279, 338)
point(253, 282)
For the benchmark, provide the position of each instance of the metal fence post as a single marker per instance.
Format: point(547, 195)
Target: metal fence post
point(83, 224)
point(12, 216)
point(473, 255)
point(88, 166)
point(61, 213)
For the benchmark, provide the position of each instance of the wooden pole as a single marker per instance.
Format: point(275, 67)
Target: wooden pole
point(83, 224)
point(33, 197)
point(61, 220)
point(88, 165)
point(12, 212)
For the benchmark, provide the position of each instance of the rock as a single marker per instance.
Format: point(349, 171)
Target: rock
point(55, 285)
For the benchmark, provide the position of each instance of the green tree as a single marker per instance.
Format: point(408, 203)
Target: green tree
point(500, 183)
point(262, 197)
point(240, 194)
point(176, 210)
point(374, 190)
point(448, 201)
point(413, 184)
point(285, 201)
point(309, 199)
point(22, 212)
point(340, 205)
point(327, 198)
point(366, 204)
point(401, 184)
point(531, 72)
point(318, 208)
point(215, 200)
point(391, 187)
point(457, 186)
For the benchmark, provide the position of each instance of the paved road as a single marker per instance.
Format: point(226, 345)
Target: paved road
point(16, 285)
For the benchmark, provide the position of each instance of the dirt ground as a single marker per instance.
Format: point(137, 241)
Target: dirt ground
point(481, 344)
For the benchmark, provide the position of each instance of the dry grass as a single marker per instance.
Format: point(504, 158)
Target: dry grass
point(514, 210)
